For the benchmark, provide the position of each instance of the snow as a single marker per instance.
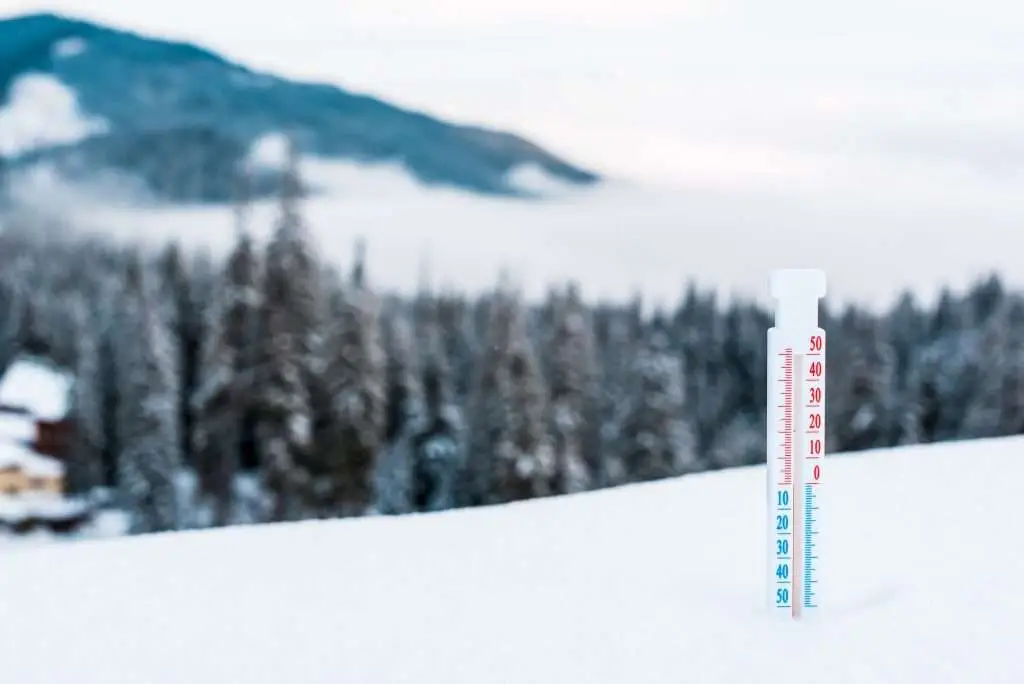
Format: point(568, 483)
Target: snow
point(36, 386)
point(270, 151)
point(657, 583)
point(42, 111)
point(103, 524)
point(69, 47)
point(39, 505)
point(14, 455)
point(16, 427)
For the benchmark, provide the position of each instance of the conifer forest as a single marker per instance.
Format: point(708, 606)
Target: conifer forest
point(286, 388)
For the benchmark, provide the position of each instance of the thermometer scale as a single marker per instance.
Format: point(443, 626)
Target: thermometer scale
point(796, 441)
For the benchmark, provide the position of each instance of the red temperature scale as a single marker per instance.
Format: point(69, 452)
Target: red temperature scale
point(796, 441)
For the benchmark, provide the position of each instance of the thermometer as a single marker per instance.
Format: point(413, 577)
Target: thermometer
point(796, 441)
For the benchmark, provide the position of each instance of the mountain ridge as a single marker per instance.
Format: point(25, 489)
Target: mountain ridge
point(180, 117)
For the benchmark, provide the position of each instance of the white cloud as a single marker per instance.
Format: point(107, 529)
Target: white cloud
point(42, 111)
point(269, 151)
point(69, 47)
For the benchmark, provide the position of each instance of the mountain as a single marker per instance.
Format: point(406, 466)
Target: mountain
point(653, 583)
point(175, 119)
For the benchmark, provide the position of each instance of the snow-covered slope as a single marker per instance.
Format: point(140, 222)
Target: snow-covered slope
point(653, 583)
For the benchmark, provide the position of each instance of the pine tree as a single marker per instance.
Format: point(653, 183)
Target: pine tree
point(617, 341)
point(572, 382)
point(288, 333)
point(860, 385)
point(998, 405)
point(1011, 389)
point(403, 415)
point(150, 457)
point(437, 446)
point(356, 374)
point(226, 369)
point(656, 441)
point(175, 305)
point(84, 467)
point(11, 320)
point(511, 457)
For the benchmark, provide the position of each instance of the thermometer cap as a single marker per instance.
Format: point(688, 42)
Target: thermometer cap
point(797, 284)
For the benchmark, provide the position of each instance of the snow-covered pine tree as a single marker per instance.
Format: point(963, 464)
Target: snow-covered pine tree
point(438, 447)
point(288, 332)
point(403, 372)
point(617, 343)
point(225, 375)
point(860, 385)
point(701, 332)
point(11, 320)
point(511, 456)
point(656, 441)
point(175, 305)
point(998, 406)
point(355, 370)
point(84, 467)
point(460, 341)
point(906, 332)
point(1011, 418)
point(573, 385)
point(737, 388)
point(150, 455)
point(404, 414)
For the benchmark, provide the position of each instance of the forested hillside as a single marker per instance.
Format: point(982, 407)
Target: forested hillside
point(291, 389)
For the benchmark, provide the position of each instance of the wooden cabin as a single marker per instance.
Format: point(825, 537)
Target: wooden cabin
point(35, 433)
point(22, 471)
point(54, 437)
point(12, 479)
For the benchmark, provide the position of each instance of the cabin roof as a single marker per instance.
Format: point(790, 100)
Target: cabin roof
point(36, 386)
point(16, 427)
point(15, 455)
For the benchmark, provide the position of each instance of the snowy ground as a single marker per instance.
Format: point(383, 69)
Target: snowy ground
point(654, 583)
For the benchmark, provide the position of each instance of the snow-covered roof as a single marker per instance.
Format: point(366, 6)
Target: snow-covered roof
point(16, 427)
point(40, 505)
point(13, 454)
point(36, 386)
